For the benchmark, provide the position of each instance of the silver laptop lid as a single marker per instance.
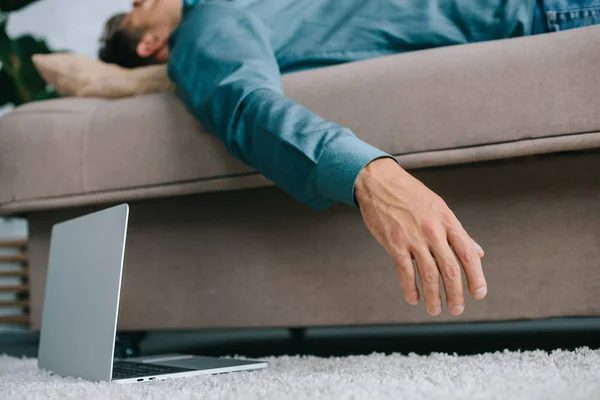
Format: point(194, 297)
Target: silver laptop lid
point(83, 287)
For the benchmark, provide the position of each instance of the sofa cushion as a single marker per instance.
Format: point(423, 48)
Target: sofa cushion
point(445, 106)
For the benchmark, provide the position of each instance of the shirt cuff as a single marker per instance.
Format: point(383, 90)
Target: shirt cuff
point(340, 165)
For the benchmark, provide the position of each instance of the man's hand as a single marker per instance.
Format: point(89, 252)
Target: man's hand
point(412, 222)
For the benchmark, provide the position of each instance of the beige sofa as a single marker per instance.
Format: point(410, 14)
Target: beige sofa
point(507, 132)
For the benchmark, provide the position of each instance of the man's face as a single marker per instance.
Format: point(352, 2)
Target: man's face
point(153, 21)
point(144, 15)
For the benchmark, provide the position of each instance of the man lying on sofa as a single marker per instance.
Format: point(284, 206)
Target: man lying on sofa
point(226, 58)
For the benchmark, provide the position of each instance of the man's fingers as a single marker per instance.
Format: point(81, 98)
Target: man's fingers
point(470, 258)
point(430, 280)
point(451, 275)
point(479, 250)
point(408, 278)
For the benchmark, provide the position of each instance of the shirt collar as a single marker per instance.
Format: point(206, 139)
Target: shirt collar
point(187, 6)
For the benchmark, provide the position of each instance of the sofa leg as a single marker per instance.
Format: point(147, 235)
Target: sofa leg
point(127, 344)
point(297, 336)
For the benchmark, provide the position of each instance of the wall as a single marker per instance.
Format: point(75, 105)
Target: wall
point(12, 228)
point(73, 25)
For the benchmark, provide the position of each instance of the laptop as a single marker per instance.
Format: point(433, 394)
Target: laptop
point(81, 306)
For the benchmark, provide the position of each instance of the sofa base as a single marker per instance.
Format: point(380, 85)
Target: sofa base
point(257, 258)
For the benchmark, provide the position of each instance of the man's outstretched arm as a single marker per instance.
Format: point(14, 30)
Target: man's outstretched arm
point(225, 71)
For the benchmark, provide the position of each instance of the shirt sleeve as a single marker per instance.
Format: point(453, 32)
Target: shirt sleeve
point(224, 67)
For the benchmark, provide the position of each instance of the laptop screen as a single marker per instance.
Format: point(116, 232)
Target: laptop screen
point(81, 301)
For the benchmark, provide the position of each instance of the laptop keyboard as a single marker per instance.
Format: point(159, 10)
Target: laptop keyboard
point(129, 369)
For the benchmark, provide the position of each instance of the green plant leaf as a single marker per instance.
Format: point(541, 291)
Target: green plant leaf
point(15, 55)
point(20, 82)
point(13, 5)
point(3, 23)
point(8, 92)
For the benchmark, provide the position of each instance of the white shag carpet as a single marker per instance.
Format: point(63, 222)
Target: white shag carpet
point(507, 375)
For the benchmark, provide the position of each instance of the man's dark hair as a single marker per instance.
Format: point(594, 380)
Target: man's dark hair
point(118, 45)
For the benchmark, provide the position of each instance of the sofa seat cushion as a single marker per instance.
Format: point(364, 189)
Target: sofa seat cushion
point(469, 103)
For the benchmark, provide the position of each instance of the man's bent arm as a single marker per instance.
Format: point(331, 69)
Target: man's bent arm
point(223, 65)
point(226, 73)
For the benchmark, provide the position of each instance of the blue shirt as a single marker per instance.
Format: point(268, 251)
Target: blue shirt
point(227, 57)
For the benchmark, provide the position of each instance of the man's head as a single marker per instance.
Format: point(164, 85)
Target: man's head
point(141, 36)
